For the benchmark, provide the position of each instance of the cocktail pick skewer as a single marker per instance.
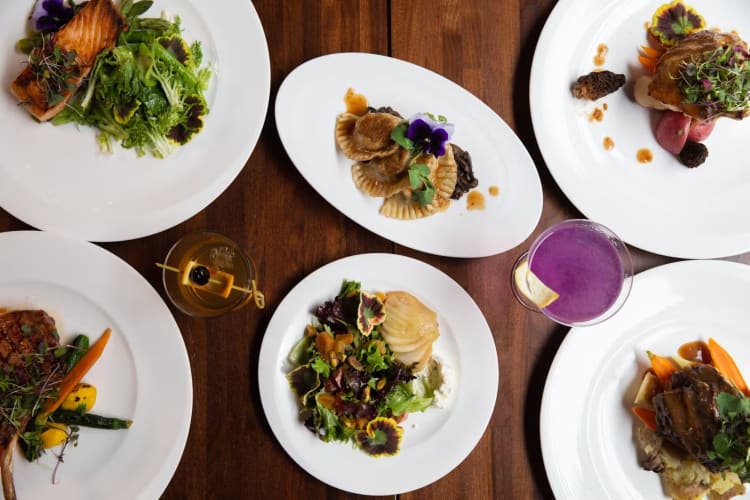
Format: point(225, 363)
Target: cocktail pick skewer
point(257, 295)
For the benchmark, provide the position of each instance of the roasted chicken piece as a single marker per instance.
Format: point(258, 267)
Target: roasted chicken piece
point(27, 341)
point(93, 29)
point(664, 86)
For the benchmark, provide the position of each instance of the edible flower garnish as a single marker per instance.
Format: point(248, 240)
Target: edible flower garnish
point(381, 437)
point(675, 20)
point(423, 134)
point(50, 15)
point(371, 312)
point(429, 135)
point(721, 82)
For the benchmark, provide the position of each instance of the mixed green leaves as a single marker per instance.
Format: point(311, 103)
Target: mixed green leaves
point(731, 446)
point(720, 81)
point(147, 92)
point(349, 384)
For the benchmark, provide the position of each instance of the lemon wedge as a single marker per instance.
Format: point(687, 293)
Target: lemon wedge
point(532, 287)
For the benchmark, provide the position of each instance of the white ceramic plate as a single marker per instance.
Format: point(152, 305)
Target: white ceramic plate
point(55, 178)
point(435, 441)
point(312, 96)
point(662, 206)
point(143, 374)
point(586, 422)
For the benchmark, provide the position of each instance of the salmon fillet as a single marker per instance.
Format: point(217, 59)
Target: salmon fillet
point(93, 29)
point(665, 86)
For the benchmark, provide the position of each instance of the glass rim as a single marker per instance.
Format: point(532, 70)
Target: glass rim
point(622, 251)
point(241, 301)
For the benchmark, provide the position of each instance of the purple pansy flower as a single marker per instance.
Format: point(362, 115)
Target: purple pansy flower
point(50, 15)
point(428, 135)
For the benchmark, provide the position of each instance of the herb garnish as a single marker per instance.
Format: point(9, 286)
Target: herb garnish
point(55, 70)
point(423, 134)
point(720, 82)
point(731, 445)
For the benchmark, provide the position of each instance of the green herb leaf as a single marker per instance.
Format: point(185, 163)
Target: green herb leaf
point(398, 135)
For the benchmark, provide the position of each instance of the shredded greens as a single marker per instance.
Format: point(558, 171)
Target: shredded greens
point(146, 93)
point(732, 444)
point(350, 386)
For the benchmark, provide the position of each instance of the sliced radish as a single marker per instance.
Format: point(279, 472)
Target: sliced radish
point(672, 131)
point(699, 131)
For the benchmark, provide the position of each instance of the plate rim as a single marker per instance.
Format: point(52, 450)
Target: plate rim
point(269, 359)
point(158, 480)
point(668, 271)
point(132, 224)
point(369, 221)
point(680, 245)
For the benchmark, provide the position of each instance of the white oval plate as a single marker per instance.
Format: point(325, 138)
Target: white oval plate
point(143, 374)
point(435, 441)
point(662, 206)
point(56, 179)
point(585, 422)
point(312, 96)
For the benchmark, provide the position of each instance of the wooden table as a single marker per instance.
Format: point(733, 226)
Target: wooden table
point(485, 46)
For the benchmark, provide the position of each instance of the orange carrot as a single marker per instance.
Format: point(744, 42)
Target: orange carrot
point(647, 416)
point(77, 373)
point(651, 52)
point(723, 362)
point(663, 367)
point(648, 63)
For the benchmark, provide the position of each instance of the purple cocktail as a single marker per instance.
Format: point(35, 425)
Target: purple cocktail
point(587, 265)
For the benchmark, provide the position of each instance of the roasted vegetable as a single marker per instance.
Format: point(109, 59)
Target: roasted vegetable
point(89, 420)
point(81, 398)
point(79, 347)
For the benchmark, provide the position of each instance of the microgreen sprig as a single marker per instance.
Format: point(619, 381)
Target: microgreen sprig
point(731, 445)
point(54, 69)
point(720, 82)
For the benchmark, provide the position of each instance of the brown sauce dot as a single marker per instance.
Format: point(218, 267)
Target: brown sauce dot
point(494, 190)
point(644, 155)
point(608, 143)
point(695, 351)
point(597, 115)
point(475, 201)
point(355, 103)
point(601, 53)
point(605, 106)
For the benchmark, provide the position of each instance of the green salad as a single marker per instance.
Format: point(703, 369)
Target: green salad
point(349, 383)
point(146, 93)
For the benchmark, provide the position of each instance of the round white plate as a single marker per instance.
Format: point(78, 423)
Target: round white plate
point(662, 206)
point(586, 423)
point(312, 96)
point(56, 179)
point(435, 441)
point(143, 374)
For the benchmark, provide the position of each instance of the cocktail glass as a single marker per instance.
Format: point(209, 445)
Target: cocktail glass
point(206, 274)
point(580, 274)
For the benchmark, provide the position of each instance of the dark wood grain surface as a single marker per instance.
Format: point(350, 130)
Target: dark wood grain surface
point(485, 46)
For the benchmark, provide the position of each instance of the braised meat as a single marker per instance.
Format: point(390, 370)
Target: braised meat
point(686, 412)
point(27, 341)
point(693, 48)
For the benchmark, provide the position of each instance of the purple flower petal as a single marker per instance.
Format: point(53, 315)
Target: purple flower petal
point(50, 15)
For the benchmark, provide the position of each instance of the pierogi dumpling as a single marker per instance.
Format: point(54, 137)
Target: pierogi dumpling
point(365, 137)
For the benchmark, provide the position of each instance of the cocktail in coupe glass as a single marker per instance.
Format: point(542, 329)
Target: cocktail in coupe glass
point(577, 273)
point(207, 274)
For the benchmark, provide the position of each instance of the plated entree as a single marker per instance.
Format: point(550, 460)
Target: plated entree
point(694, 422)
point(43, 399)
point(410, 164)
point(363, 364)
point(132, 78)
point(695, 75)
